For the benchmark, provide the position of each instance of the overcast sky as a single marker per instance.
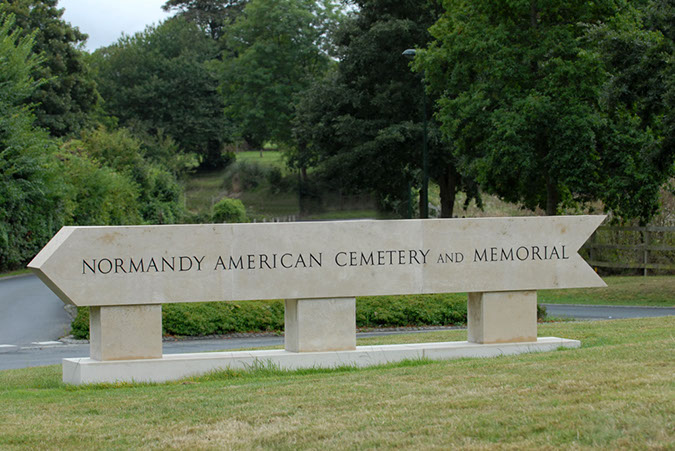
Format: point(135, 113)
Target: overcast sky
point(105, 20)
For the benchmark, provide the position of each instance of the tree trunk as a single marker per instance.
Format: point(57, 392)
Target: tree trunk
point(303, 172)
point(448, 184)
point(552, 198)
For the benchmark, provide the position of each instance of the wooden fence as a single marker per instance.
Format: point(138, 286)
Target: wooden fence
point(652, 239)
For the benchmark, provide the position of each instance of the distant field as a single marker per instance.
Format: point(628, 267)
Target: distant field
point(269, 158)
point(656, 291)
point(615, 392)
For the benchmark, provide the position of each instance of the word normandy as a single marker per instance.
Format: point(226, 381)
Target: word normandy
point(341, 259)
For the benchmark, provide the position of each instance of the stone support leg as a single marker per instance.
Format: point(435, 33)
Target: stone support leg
point(320, 324)
point(125, 332)
point(502, 317)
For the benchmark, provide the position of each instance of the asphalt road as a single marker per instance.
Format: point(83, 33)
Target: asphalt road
point(31, 316)
point(30, 312)
point(598, 312)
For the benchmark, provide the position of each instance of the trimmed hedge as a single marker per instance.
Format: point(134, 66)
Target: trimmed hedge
point(217, 318)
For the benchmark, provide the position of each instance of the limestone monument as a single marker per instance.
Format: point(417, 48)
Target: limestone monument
point(125, 273)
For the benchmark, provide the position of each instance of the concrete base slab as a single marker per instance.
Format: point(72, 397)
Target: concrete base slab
point(178, 366)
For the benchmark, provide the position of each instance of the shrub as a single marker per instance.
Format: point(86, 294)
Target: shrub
point(79, 327)
point(229, 210)
point(411, 310)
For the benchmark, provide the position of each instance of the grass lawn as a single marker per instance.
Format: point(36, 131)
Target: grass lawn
point(18, 272)
point(656, 291)
point(269, 158)
point(617, 391)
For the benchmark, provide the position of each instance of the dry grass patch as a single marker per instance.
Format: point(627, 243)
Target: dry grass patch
point(617, 391)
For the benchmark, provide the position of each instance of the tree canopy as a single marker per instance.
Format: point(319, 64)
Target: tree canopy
point(522, 89)
point(212, 16)
point(64, 102)
point(31, 190)
point(162, 80)
point(362, 125)
point(274, 52)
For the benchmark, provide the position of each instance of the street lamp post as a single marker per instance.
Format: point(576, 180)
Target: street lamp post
point(424, 201)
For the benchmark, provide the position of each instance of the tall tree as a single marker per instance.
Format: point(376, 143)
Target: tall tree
point(521, 96)
point(275, 51)
point(639, 47)
point(31, 195)
point(362, 125)
point(163, 80)
point(64, 103)
point(212, 16)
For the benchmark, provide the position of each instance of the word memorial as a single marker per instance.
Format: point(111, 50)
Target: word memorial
point(125, 273)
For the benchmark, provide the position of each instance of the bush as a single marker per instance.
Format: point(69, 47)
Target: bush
point(79, 327)
point(210, 318)
point(119, 153)
point(411, 310)
point(229, 210)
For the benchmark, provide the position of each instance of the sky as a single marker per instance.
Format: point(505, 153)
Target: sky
point(105, 20)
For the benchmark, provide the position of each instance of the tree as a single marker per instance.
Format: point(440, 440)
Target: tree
point(162, 81)
point(362, 124)
point(64, 102)
point(31, 195)
point(632, 52)
point(275, 51)
point(521, 89)
point(212, 16)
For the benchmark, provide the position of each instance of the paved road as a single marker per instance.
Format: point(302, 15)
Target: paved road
point(605, 311)
point(30, 312)
point(50, 354)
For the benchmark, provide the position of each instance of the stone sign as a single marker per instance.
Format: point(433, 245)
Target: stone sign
point(91, 266)
point(125, 273)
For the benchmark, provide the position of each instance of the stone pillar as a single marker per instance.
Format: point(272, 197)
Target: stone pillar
point(502, 317)
point(320, 324)
point(125, 332)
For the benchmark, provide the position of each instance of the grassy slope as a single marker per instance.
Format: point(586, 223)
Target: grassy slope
point(657, 291)
point(617, 391)
point(18, 272)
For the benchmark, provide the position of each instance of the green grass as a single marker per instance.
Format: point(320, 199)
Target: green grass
point(18, 272)
point(656, 291)
point(203, 190)
point(269, 158)
point(616, 392)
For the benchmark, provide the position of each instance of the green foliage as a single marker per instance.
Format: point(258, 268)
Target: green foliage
point(212, 16)
point(156, 190)
point(160, 81)
point(97, 195)
point(522, 91)
point(79, 327)
point(274, 51)
point(31, 195)
point(67, 96)
point(411, 310)
point(639, 41)
point(229, 210)
point(222, 318)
